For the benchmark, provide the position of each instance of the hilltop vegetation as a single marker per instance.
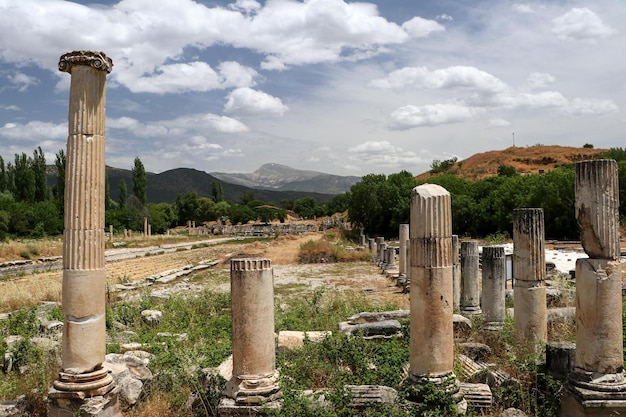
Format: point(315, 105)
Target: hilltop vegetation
point(483, 207)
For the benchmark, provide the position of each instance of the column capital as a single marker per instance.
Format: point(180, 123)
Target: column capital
point(94, 59)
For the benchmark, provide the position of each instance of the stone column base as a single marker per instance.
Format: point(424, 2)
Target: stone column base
point(252, 390)
point(471, 311)
point(106, 405)
point(447, 383)
point(582, 402)
point(229, 408)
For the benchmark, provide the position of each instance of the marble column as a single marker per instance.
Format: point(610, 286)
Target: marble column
point(379, 242)
point(404, 239)
point(254, 381)
point(382, 255)
point(391, 259)
point(494, 286)
point(529, 273)
point(432, 339)
point(597, 386)
point(82, 379)
point(470, 285)
point(456, 275)
point(372, 244)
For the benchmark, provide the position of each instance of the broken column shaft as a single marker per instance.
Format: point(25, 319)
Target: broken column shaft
point(597, 386)
point(470, 285)
point(432, 338)
point(494, 286)
point(529, 273)
point(255, 378)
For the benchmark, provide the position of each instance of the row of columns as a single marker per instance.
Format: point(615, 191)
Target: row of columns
point(597, 382)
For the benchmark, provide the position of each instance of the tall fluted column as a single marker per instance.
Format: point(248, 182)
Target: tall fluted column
point(456, 275)
point(83, 290)
point(255, 378)
point(598, 380)
point(529, 273)
point(494, 286)
point(432, 338)
point(470, 287)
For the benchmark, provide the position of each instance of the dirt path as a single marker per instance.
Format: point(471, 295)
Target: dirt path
point(289, 273)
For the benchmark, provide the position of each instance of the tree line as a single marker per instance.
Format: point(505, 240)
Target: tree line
point(29, 207)
point(379, 203)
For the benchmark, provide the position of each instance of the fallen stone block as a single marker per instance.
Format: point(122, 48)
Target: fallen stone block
point(289, 339)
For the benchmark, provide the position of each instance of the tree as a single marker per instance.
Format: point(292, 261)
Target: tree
point(3, 176)
point(216, 191)
point(247, 196)
point(338, 204)
point(140, 182)
point(58, 191)
point(24, 178)
point(122, 193)
point(38, 163)
point(365, 207)
point(506, 171)
point(187, 207)
point(241, 214)
point(162, 217)
point(107, 194)
point(305, 207)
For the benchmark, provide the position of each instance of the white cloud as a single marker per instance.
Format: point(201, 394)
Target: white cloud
point(418, 27)
point(499, 123)
point(34, 131)
point(579, 106)
point(181, 126)
point(177, 78)
point(22, 81)
point(382, 153)
point(249, 102)
point(10, 107)
point(411, 116)
point(445, 17)
point(581, 24)
point(523, 8)
point(234, 74)
point(462, 77)
point(539, 80)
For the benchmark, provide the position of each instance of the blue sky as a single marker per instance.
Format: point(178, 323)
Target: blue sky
point(328, 85)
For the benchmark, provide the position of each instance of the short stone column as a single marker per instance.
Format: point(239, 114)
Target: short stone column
point(391, 259)
point(382, 255)
point(597, 386)
point(529, 273)
point(379, 241)
point(432, 339)
point(254, 381)
point(402, 258)
point(84, 387)
point(456, 275)
point(372, 244)
point(470, 285)
point(494, 287)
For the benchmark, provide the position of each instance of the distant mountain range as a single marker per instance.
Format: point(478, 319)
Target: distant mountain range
point(288, 183)
point(284, 178)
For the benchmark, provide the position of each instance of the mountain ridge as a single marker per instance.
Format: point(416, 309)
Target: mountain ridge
point(284, 178)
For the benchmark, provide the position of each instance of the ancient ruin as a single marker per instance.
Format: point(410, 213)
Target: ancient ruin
point(470, 284)
point(254, 380)
point(83, 385)
point(456, 275)
point(432, 338)
point(597, 386)
point(529, 273)
point(404, 242)
point(493, 287)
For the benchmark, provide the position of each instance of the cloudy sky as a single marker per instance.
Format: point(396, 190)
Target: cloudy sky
point(347, 88)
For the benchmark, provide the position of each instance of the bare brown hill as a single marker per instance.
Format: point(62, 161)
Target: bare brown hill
point(525, 160)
